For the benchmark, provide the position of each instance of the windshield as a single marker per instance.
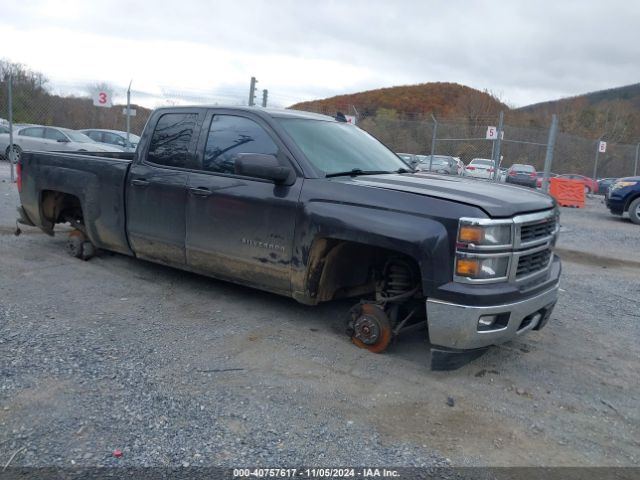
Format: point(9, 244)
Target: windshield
point(78, 137)
point(335, 147)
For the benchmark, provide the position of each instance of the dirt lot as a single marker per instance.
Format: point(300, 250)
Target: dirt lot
point(174, 368)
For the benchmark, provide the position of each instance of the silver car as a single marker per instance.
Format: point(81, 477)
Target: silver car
point(115, 138)
point(442, 164)
point(53, 139)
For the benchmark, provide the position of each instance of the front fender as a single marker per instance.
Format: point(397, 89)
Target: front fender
point(424, 239)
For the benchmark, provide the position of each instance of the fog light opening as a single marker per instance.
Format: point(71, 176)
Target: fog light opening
point(486, 321)
point(493, 322)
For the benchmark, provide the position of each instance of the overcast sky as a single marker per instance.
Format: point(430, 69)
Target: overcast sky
point(196, 51)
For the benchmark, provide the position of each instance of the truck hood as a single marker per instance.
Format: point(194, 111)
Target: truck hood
point(496, 199)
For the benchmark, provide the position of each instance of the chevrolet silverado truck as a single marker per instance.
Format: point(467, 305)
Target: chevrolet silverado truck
point(316, 209)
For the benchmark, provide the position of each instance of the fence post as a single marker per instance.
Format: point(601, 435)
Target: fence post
point(635, 165)
point(12, 153)
point(498, 143)
point(548, 159)
point(129, 113)
point(595, 163)
point(433, 141)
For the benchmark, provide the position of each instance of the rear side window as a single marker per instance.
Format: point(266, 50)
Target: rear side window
point(230, 135)
point(32, 132)
point(170, 141)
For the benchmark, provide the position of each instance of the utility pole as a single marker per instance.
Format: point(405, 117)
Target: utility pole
point(12, 152)
point(433, 140)
point(129, 112)
point(265, 95)
point(548, 160)
point(635, 165)
point(496, 153)
point(252, 92)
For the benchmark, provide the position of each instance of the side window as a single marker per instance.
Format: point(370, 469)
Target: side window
point(170, 141)
point(113, 139)
point(53, 134)
point(230, 135)
point(95, 136)
point(4, 129)
point(32, 132)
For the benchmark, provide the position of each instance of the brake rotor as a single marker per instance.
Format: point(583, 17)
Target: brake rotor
point(370, 328)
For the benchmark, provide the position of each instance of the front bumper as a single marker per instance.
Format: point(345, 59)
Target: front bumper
point(455, 326)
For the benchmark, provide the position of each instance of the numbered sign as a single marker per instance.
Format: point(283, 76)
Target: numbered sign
point(602, 147)
point(350, 119)
point(102, 98)
point(492, 133)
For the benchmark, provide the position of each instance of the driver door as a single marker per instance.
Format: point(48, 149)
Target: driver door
point(240, 228)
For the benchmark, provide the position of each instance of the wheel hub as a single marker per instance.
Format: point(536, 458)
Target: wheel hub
point(366, 329)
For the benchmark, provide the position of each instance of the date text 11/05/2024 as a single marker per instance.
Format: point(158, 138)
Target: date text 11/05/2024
point(315, 473)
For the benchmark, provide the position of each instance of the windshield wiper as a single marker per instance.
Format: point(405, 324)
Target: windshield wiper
point(355, 172)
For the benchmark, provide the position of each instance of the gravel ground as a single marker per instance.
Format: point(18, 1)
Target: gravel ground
point(175, 369)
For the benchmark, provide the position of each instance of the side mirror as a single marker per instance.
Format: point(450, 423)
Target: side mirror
point(263, 166)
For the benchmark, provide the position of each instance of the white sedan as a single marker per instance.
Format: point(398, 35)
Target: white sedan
point(480, 168)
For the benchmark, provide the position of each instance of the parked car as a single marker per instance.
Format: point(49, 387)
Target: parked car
point(540, 178)
point(522, 174)
point(41, 138)
point(624, 196)
point(590, 185)
point(337, 216)
point(605, 183)
point(4, 140)
point(480, 168)
point(115, 138)
point(438, 164)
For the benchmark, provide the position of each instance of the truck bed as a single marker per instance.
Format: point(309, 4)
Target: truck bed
point(97, 180)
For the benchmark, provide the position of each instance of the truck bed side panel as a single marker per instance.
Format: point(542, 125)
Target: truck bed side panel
point(97, 181)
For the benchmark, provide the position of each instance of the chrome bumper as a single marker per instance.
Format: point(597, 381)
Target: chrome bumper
point(456, 326)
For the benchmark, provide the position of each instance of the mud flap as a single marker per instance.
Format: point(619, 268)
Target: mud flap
point(444, 359)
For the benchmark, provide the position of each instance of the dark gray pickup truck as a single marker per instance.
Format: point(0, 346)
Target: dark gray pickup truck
point(313, 208)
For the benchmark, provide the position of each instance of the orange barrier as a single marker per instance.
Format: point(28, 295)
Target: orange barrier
point(568, 193)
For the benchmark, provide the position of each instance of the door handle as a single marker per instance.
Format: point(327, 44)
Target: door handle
point(139, 182)
point(200, 191)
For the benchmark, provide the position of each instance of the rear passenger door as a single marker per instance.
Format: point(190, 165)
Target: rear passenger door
point(157, 188)
point(240, 228)
point(30, 138)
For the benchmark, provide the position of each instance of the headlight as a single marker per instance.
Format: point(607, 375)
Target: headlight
point(494, 235)
point(479, 267)
point(618, 185)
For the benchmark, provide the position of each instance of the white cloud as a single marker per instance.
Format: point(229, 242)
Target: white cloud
point(302, 50)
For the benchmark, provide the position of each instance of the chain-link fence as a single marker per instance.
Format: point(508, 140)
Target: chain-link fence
point(465, 137)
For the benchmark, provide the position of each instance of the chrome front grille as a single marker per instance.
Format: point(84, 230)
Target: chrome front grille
point(537, 231)
point(533, 262)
